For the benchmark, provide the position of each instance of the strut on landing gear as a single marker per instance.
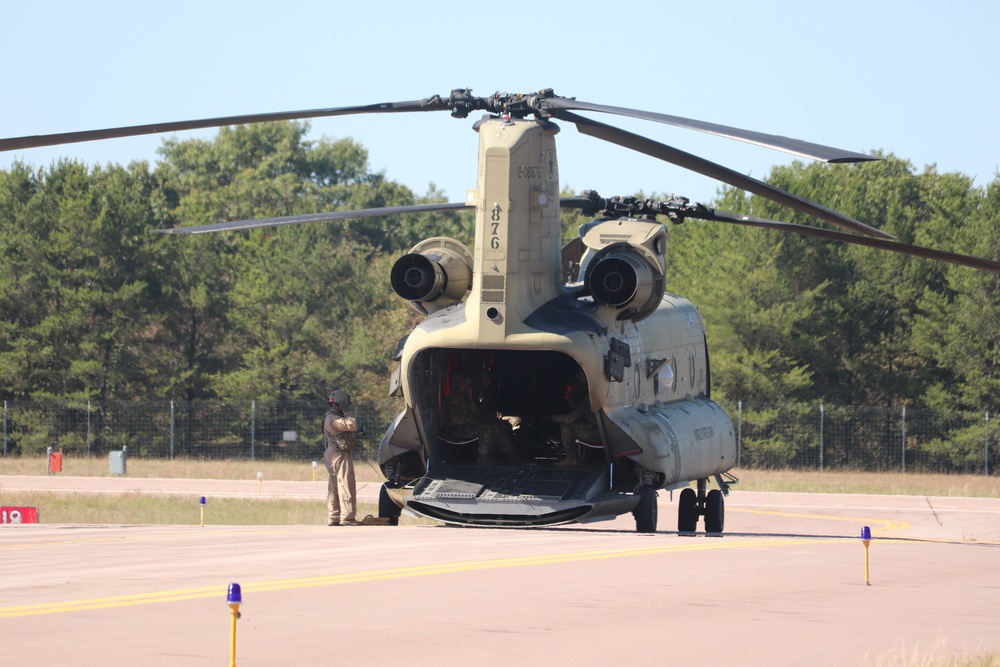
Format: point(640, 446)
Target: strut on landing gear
point(710, 505)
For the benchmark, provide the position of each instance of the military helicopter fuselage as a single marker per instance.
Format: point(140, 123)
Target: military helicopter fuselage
point(548, 384)
point(519, 323)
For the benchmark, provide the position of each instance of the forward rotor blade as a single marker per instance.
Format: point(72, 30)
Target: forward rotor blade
point(788, 145)
point(237, 225)
point(718, 172)
point(882, 244)
point(429, 104)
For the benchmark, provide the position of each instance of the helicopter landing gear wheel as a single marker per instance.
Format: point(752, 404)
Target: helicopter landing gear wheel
point(687, 511)
point(715, 512)
point(645, 511)
point(387, 508)
point(692, 505)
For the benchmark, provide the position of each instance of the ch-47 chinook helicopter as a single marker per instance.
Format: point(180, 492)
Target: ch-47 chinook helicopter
point(550, 384)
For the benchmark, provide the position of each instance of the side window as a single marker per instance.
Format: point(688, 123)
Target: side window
point(666, 378)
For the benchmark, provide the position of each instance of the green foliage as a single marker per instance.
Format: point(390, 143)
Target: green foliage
point(759, 312)
point(957, 331)
point(95, 306)
point(571, 219)
point(961, 451)
point(793, 318)
point(81, 281)
point(298, 309)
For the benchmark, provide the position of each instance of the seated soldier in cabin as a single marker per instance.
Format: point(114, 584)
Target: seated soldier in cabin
point(579, 423)
point(471, 415)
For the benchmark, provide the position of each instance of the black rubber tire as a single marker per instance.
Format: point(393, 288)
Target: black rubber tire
point(715, 512)
point(645, 511)
point(687, 511)
point(387, 508)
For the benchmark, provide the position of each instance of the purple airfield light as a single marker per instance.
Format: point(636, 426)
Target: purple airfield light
point(866, 538)
point(233, 598)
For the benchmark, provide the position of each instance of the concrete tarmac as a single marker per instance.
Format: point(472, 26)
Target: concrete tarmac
point(784, 586)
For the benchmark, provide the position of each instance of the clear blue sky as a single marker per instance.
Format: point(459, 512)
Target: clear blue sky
point(916, 78)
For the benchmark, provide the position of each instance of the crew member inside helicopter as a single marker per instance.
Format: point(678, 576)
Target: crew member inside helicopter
point(470, 413)
point(579, 424)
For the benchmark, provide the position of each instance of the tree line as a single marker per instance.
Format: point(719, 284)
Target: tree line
point(95, 307)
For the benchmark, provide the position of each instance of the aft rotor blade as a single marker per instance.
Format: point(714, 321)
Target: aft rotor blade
point(882, 244)
point(718, 172)
point(794, 146)
point(237, 225)
point(429, 104)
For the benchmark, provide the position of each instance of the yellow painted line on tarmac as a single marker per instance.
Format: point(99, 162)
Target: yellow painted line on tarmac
point(110, 602)
point(710, 544)
point(888, 525)
point(392, 573)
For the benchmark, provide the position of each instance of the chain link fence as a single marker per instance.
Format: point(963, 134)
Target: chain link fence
point(289, 430)
point(827, 437)
point(805, 436)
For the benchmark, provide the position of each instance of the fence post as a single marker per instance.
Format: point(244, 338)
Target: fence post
point(171, 430)
point(904, 438)
point(821, 415)
point(88, 428)
point(253, 427)
point(5, 429)
point(739, 434)
point(986, 446)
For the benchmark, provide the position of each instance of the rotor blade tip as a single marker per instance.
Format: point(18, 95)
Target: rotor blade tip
point(851, 160)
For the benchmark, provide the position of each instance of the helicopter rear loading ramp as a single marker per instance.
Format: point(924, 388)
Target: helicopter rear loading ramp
point(517, 496)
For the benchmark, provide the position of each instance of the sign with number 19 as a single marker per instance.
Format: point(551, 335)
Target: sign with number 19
point(18, 515)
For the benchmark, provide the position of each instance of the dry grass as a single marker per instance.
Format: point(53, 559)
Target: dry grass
point(140, 509)
point(936, 655)
point(137, 508)
point(879, 483)
point(983, 660)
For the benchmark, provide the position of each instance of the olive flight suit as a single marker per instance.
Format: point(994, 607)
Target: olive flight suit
point(341, 491)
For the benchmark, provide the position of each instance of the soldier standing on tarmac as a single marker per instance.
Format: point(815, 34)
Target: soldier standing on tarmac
point(339, 433)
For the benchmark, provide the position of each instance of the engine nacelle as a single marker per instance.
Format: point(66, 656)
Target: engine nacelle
point(627, 278)
point(435, 274)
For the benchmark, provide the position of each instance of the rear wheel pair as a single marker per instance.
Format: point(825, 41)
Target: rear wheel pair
point(688, 510)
